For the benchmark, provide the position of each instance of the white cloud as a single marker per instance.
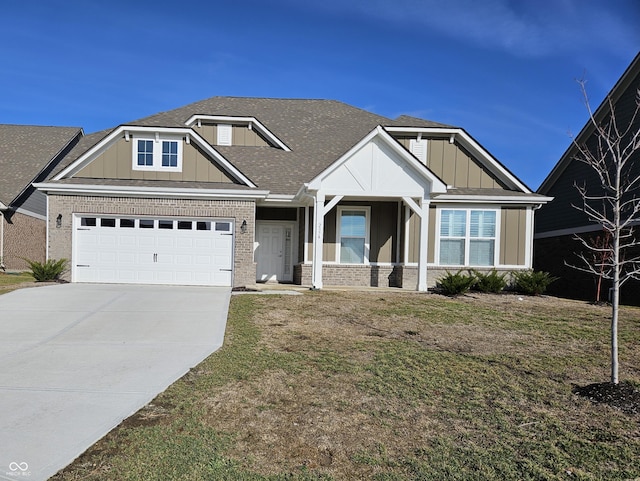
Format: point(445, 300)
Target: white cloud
point(523, 27)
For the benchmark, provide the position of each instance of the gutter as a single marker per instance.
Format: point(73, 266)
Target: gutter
point(151, 191)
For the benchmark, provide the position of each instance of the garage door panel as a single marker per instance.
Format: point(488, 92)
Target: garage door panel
point(129, 253)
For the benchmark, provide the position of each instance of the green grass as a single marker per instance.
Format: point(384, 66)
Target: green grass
point(9, 280)
point(387, 387)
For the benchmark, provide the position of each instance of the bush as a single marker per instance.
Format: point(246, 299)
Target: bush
point(48, 271)
point(489, 282)
point(455, 284)
point(532, 283)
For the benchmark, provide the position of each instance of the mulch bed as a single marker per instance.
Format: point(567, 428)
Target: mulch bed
point(622, 396)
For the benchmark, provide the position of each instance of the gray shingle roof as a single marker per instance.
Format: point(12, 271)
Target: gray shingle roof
point(25, 150)
point(318, 132)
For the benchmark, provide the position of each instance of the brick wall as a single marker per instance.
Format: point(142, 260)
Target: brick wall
point(239, 210)
point(24, 237)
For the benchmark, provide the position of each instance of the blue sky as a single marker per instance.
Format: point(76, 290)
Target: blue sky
point(504, 70)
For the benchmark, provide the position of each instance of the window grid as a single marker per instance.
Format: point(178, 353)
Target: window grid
point(145, 152)
point(467, 237)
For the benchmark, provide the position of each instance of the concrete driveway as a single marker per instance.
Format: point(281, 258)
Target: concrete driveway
point(77, 359)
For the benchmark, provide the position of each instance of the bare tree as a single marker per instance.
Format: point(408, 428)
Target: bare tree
point(612, 152)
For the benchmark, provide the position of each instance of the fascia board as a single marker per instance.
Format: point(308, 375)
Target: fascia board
point(623, 83)
point(249, 120)
point(134, 191)
point(470, 143)
point(493, 199)
point(90, 154)
point(437, 184)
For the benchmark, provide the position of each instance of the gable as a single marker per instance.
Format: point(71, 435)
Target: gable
point(116, 162)
point(453, 163)
point(138, 153)
point(377, 166)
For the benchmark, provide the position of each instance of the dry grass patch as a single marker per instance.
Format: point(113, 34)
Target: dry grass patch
point(389, 386)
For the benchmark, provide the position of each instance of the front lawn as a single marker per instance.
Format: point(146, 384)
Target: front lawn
point(11, 280)
point(389, 386)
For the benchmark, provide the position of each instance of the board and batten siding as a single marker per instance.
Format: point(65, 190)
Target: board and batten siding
point(116, 163)
point(454, 165)
point(241, 135)
point(382, 232)
point(513, 237)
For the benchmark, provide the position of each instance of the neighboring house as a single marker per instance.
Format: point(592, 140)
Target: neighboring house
point(230, 191)
point(558, 222)
point(27, 154)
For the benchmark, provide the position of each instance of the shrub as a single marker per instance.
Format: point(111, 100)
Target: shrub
point(48, 271)
point(532, 283)
point(489, 281)
point(455, 284)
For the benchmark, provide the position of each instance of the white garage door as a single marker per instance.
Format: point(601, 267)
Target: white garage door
point(147, 250)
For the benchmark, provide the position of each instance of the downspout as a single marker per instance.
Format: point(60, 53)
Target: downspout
point(2, 266)
point(533, 233)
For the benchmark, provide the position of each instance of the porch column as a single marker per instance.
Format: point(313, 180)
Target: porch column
point(424, 239)
point(421, 211)
point(318, 237)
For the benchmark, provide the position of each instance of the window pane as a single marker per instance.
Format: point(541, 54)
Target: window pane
point(88, 221)
point(185, 224)
point(483, 223)
point(145, 152)
point(352, 250)
point(203, 225)
point(452, 252)
point(165, 224)
point(453, 223)
point(169, 153)
point(127, 223)
point(146, 223)
point(353, 223)
point(107, 222)
point(481, 252)
point(223, 226)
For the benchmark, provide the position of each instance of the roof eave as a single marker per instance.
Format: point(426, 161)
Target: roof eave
point(138, 191)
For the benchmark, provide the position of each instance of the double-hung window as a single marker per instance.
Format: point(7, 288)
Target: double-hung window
point(353, 235)
point(157, 154)
point(467, 237)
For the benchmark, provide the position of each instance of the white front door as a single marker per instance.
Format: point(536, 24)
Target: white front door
point(273, 252)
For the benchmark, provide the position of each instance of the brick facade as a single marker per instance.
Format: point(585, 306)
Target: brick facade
point(60, 238)
point(24, 238)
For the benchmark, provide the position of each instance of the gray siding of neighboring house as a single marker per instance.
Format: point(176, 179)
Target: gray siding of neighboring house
point(35, 202)
point(116, 163)
point(559, 214)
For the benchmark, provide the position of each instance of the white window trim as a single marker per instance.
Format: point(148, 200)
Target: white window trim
point(157, 153)
point(467, 238)
point(367, 244)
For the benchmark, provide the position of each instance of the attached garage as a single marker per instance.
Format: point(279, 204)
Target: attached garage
point(152, 250)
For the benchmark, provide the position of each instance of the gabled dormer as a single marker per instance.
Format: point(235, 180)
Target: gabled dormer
point(227, 131)
point(154, 153)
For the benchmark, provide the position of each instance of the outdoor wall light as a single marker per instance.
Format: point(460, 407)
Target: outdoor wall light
point(59, 221)
point(243, 226)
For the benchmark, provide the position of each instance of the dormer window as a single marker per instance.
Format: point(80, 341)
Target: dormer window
point(160, 154)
